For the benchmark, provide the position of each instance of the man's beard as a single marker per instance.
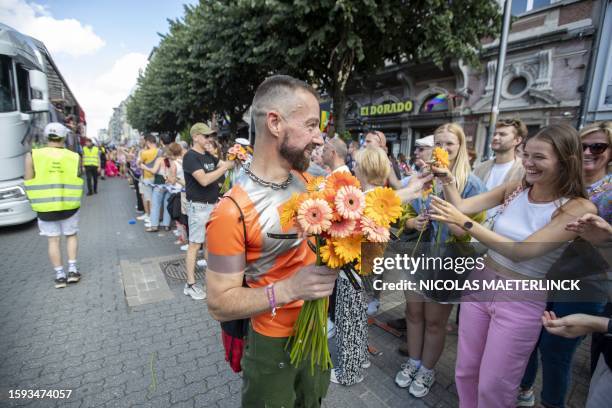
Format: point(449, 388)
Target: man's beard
point(296, 157)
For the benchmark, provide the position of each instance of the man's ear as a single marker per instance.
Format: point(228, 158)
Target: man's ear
point(273, 122)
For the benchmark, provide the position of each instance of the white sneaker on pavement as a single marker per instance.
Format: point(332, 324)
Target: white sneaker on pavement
point(422, 382)
point(194, 291)
point(202, 263)
point(184, 247)
point(366, 364)
point(406, 375)
point(141, 217)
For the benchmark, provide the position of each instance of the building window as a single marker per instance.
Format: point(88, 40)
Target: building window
point(7, 89)
point(435, 103)
point(517, 85)
point(522, 6)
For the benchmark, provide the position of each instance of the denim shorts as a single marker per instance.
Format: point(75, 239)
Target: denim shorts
point(198, 214)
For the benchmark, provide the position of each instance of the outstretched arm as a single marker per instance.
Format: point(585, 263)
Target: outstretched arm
point(546, 239)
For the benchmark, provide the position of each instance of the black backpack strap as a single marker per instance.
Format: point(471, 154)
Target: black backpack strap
point(244, 231)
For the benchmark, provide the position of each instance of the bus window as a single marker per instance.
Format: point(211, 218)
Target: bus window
point(23, 85)
point(7, 90)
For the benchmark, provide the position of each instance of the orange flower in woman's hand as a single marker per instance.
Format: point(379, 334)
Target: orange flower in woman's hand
point(440, 157)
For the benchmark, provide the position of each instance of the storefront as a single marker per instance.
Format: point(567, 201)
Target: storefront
point(407, 109)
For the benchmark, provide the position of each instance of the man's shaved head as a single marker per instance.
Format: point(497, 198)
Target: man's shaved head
point(279, 93)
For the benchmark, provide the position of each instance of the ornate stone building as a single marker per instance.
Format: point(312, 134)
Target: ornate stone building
point(547, 64)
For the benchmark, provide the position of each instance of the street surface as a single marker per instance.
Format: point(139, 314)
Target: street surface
point(126, 336)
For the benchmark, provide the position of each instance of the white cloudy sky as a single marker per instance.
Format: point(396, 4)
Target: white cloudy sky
point(99, 46)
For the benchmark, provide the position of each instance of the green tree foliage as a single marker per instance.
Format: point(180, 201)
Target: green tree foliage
point(216, 57)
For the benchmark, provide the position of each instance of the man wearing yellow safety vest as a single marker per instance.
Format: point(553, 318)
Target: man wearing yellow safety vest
point(91, 163)
point(54, 189)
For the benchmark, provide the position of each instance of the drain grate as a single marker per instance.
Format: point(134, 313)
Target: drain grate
point(175, 269)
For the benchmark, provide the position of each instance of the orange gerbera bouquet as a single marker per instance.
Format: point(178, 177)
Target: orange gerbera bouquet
point(340, 217)
point(236, 152)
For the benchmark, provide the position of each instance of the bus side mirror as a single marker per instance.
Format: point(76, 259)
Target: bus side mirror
point(38, 83)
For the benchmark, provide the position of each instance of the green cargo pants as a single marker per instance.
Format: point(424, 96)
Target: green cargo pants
point(270, 381)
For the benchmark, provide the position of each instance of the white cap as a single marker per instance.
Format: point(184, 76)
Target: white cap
point(56, 129)
point(427, 141)
point(242, 141)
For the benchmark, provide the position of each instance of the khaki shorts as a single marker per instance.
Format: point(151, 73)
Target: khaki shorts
point(69, 226)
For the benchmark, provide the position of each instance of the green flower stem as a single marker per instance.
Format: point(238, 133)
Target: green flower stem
point(309, 337)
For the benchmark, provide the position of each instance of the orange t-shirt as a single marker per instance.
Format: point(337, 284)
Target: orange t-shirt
point(271, 253)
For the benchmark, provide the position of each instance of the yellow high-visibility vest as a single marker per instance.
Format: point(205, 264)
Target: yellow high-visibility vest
point(91, 156)
point(56, 185)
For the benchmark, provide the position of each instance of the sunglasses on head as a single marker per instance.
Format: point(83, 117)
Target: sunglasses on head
point(595, 148)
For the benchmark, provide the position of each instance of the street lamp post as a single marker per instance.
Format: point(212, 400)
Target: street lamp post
point(501, 60)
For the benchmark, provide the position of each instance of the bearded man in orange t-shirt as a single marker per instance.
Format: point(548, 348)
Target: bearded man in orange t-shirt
point(277, 263)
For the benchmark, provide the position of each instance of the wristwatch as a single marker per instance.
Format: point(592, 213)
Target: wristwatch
point(468, 225)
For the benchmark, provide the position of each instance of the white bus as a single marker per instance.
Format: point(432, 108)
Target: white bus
point(31, 91)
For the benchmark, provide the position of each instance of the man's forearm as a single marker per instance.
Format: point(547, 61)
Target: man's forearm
point(211, 177)
point(243, 302)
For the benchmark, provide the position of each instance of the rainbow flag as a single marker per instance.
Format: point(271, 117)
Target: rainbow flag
point(437, 103)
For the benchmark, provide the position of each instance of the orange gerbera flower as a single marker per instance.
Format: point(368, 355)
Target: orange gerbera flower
point(348, 248)
point(440, 156)
point(383, 206)
point(350, 202)
point(374, 232)
point(341, 179)
point(314, 216)
point(328, 255)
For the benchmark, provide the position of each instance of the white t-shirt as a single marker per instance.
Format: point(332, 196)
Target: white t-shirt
point(496, 178)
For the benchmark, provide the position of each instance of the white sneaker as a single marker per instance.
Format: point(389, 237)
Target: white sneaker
point(422, 382)
point(194, 291)
point(147, 224)
point(366, 364)
point(202, 263)
point(141, 217)
point(526, 398)
point(373, 307)
point(333, 378)
point(331, 328)
point(184, 247)
point(406, 375)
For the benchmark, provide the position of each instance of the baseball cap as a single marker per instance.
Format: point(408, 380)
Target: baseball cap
point(427, 141)
point(201, 129)
point(242, 141)
point(56, 130)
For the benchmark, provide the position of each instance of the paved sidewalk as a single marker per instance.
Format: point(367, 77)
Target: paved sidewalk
point(163, 352)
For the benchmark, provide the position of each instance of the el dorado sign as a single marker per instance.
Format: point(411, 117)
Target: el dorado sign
point(386, 108)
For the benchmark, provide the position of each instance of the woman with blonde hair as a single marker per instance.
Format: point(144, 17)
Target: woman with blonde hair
point(426, 320)
point(498, 333)
point(371, 169)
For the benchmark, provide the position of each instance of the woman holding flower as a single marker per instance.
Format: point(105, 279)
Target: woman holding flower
point(527, 238)
point(426, 321)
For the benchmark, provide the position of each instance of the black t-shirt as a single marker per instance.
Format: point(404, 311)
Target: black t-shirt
point(192, 162)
